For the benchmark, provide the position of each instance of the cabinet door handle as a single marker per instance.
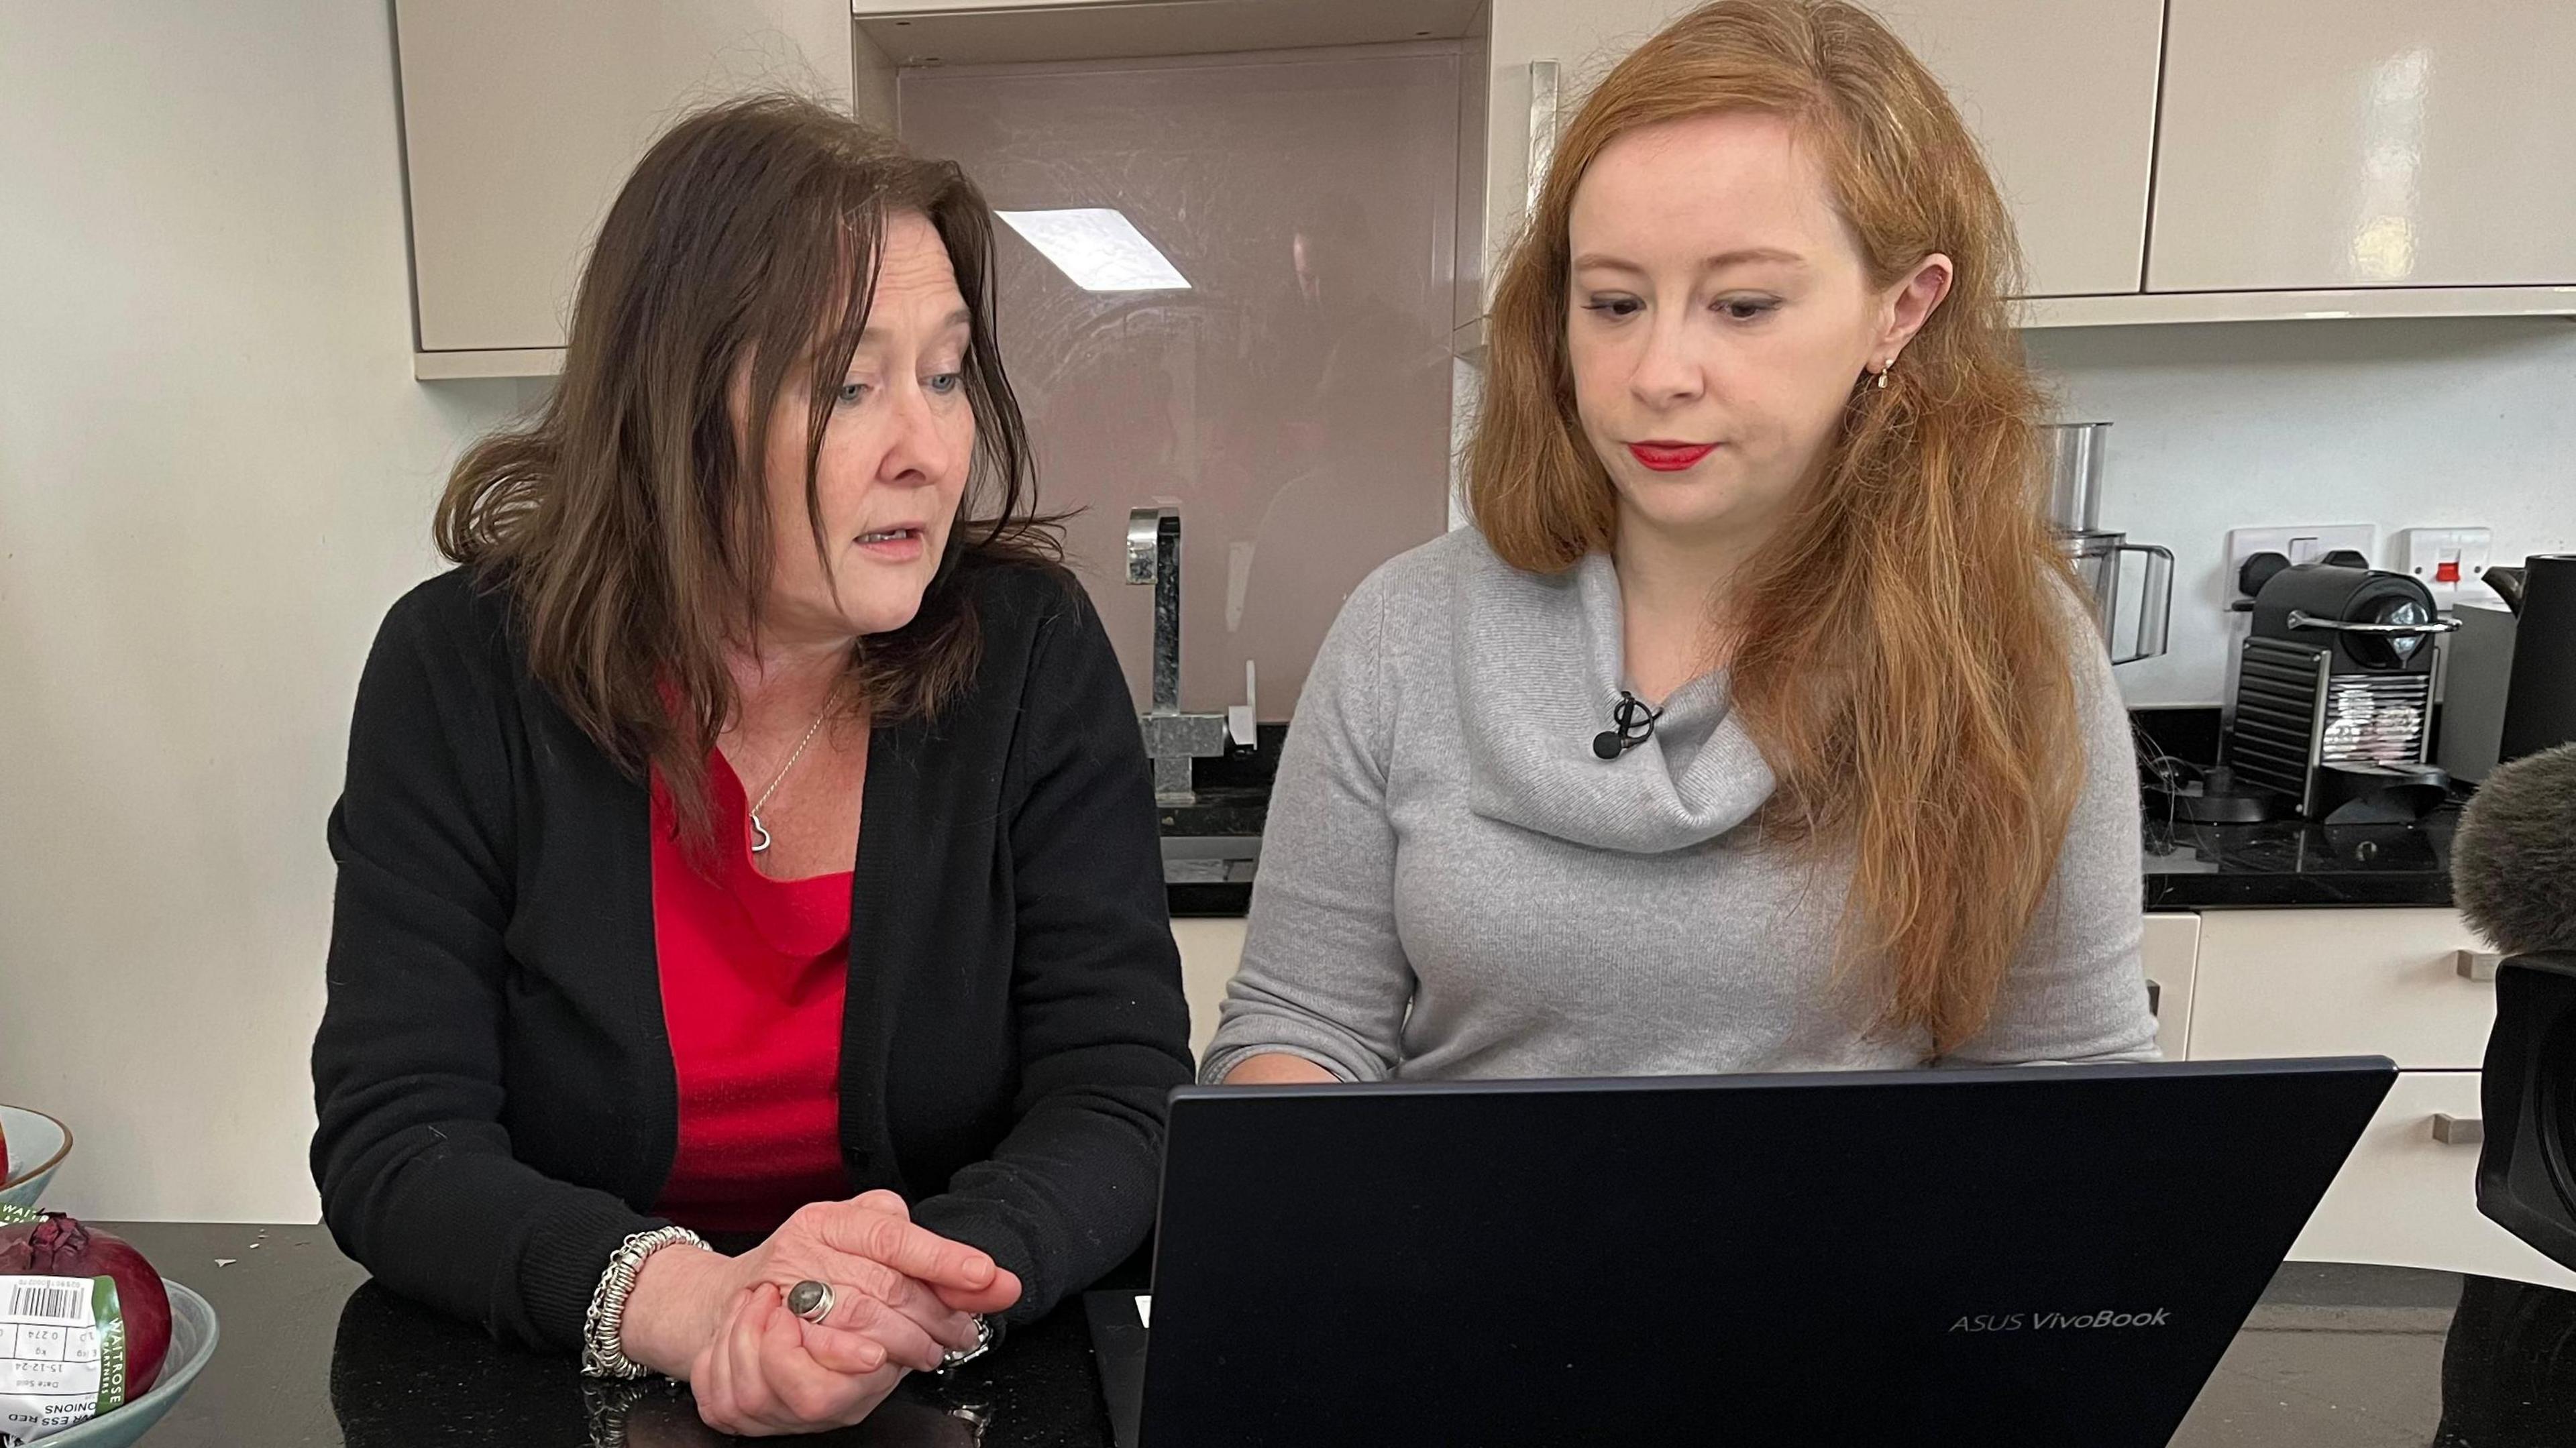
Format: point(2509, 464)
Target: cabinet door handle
point(2477, 964)
point(2458, 1130)
point(1542, 125)
point(2155, 997)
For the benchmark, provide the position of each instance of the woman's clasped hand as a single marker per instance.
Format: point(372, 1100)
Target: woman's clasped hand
point(903, 1297)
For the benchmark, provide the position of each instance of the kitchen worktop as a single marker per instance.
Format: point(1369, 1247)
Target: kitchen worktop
point(2186, 866)
point(2296, 862)
point(313, 1353)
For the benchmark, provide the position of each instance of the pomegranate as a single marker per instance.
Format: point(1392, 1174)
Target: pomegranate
point(55, 1245)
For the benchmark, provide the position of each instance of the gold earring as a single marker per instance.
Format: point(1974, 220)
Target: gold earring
point(1883, 369)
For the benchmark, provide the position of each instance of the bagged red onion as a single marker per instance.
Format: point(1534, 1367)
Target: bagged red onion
point(84, 1324)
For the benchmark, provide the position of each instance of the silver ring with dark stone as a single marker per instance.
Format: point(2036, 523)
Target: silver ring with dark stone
point(810, 1300)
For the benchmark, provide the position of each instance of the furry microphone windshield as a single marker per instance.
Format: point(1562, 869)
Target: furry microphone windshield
point(2513, 861)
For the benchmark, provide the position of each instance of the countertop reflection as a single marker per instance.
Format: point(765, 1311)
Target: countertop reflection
point(2296, 862)
point(401, 1375)
point(312, 1353)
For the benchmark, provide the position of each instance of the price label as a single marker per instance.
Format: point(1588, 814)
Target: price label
point(62, 1355)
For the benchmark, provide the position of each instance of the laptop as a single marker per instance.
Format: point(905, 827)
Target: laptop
point(2042, 1255)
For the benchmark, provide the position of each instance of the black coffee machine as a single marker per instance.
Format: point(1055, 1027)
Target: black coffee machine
point(2334, 696)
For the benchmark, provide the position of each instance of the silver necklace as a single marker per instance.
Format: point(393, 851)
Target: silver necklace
point(759, 831)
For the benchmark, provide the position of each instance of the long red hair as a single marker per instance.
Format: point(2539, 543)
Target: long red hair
point(1899, 655)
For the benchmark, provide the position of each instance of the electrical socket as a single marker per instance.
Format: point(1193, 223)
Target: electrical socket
point(2303, 543)
point(2423, 551)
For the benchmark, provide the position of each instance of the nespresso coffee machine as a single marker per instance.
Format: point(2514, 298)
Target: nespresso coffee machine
point(2334, 696)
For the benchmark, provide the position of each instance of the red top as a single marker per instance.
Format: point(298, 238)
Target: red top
point(753, 972)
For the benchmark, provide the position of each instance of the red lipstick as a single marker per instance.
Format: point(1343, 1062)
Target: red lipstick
point(1670, 457)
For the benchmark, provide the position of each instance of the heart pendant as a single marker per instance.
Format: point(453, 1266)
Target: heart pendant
point(759, 836)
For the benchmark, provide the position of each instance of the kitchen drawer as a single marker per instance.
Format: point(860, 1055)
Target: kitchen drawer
point(2408, 1200)
point(2329, 982)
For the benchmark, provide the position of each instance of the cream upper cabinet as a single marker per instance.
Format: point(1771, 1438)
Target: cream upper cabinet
point(521, 120)
point(2366, 143)
point(2061, 93)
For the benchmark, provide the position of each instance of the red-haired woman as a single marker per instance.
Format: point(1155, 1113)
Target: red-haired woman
point(749, 844)
point(1755, 726)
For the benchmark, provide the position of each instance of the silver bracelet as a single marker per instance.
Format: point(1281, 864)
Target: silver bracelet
point(603, 1355)
point(958, 1358)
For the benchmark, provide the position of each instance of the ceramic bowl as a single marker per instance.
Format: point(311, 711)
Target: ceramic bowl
point(192, 1342)
point(37, 1145)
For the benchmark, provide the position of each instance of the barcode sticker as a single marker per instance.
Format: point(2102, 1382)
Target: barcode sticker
point(61, 1301)
point(62, 1355)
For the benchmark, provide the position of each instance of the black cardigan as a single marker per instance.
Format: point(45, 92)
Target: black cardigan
point(498, 1106)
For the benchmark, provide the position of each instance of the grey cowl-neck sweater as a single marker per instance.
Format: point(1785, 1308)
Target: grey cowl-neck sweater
point(1453, 885)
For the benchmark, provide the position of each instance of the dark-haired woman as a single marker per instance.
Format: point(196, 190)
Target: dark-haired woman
point(749, 845)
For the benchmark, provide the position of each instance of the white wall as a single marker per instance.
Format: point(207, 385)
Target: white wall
point(2255, 424)
point(215, 472)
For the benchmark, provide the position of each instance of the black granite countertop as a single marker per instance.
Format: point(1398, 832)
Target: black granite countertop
point(2187, 866)
point(1233, 789)
point(2297, 862)
point(312, 1353)
point(2279, 863)
point(1222, 809)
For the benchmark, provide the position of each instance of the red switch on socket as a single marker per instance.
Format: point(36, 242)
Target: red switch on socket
point(2447, 571)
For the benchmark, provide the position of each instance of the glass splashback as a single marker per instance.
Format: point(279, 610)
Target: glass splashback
point(1225, 282)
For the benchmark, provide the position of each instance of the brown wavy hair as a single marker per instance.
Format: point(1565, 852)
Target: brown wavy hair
point(1902, 653)
point(627, 519)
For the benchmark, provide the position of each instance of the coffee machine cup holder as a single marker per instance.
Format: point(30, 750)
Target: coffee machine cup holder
point(2368, 794)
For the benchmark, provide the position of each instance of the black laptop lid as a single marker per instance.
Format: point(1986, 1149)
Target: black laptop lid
point(2038, 1255)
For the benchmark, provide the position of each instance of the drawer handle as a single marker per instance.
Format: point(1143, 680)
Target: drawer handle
point(2458, 1130)
point(2477, 964)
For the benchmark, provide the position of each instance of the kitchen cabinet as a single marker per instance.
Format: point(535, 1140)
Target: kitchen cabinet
point(2171, 954)
point(2273, 983)
point(989, 32)
point(1211, 949)
point(2301, 158)
point(2061, 93)
point(2408, 1198)
point(871, 9)
point(2365, 144)
point(520, 121)
point(2334, 982)
point(2329, 982)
